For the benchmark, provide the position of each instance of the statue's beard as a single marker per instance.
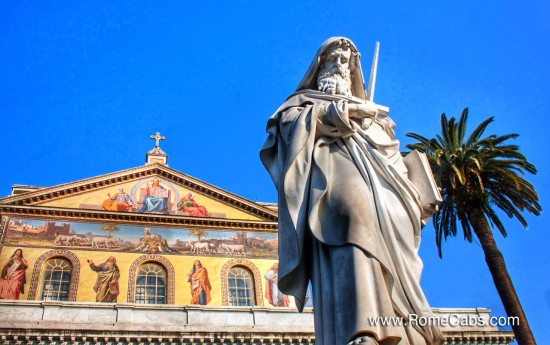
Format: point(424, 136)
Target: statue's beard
point(335, 81)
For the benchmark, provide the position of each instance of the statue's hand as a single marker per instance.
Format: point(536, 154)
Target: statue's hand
point(362, 111)
point(427, 212)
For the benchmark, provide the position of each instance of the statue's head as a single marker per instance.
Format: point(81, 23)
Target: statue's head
point(336, 63)
point(336, 69)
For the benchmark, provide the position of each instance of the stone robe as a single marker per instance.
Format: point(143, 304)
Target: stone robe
point(349, 220)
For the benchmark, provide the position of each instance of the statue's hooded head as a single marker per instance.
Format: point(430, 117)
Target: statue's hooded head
point(322, 64)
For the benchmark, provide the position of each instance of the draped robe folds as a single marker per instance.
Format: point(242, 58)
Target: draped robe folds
point(349, 220)
point(12, 280)
point(105, 276)
point(154, 203)
point(200, 287)
point(192, 208)
point(121, 202)
point(272, 292)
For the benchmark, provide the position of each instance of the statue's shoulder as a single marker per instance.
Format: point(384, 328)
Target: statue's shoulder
point(309, 95)
point(300, 94)
point(306, 96)
point(297, 99)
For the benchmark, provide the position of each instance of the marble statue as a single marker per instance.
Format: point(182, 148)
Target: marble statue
point(349, 217)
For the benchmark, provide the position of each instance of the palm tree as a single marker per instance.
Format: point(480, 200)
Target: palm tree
point(199, 233)
point(110, 228)
point(476, 176)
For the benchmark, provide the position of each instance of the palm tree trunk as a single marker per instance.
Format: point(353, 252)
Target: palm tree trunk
point(501, 278)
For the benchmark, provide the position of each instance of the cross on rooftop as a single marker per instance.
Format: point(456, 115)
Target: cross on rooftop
point(157, 137)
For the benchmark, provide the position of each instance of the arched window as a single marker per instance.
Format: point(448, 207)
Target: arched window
point(44, 264)
point(151, 284)
point(143, 275)
point(240, 284)
point(56, 279)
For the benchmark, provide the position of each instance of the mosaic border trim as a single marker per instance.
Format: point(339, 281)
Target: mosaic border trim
point(3, 230)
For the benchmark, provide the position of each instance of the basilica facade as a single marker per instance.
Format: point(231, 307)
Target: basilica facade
point(150, 255)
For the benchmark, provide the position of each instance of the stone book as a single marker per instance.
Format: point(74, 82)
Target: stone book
point(420, 174)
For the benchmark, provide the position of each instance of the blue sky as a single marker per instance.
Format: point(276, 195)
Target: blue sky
point(83, 85)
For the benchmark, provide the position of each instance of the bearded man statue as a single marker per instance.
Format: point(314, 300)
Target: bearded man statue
point(349, 218)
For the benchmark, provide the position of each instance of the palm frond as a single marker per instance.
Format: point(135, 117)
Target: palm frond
point(494, 220)
point(461, 129)
point(479, 173)
point(478, 132)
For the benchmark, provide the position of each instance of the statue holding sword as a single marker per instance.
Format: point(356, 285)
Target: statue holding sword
point(349, 216)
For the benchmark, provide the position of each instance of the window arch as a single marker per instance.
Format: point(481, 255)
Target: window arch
point(150, 284)
point(240, 287)
point(55, 276)
point(241, 284)
point(56, 279)
point(151, 280)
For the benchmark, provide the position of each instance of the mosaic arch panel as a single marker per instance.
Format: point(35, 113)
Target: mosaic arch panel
point(158, 259)
point(255, 272)
point(55, 253)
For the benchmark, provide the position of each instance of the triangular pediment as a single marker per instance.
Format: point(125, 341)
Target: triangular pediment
point(153, 188)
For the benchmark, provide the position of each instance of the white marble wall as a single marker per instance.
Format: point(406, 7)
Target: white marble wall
point(39, 322)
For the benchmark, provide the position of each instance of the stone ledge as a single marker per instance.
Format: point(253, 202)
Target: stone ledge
point(137, 317)
point(89, 323)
